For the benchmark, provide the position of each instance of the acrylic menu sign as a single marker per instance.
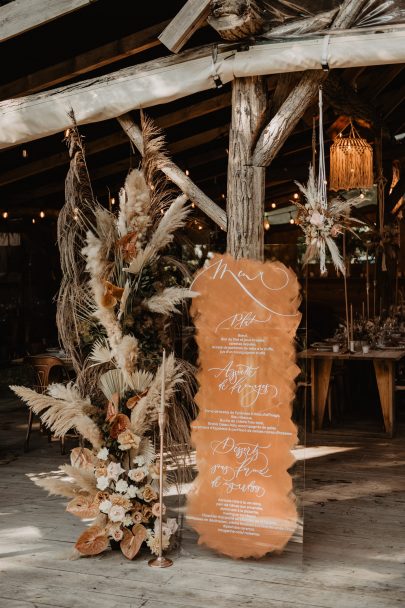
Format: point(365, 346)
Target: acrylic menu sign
point(246, 315)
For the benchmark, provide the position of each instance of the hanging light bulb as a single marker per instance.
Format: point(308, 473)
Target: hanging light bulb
point(273, 205)
point(200, 227)
point(33, 220)
point(187, 172)
point(296, 196)
point(266, 224)
point(113, 200)
point(292, 221)
point(42, 214)
point(5, 215)
point(24, 153)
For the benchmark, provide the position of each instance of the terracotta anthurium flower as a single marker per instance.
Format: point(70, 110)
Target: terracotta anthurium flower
point(114, 290)
point(132, 541)
point(83, 507)
point(92, 541)
point(119, 424)
point(112, 407)
point(133, 401)
point(128, 245)
point(83, 458)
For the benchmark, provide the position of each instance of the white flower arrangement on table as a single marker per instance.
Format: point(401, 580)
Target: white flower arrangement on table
point(322, 222)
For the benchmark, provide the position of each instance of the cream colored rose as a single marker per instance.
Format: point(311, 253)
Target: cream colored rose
point(128, 440)
point(156, 509)
point(116, 513)
point(149, 494)
point(136, 475)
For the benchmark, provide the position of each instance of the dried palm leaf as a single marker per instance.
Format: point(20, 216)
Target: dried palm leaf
point(140, 380)
point(112, 383)
point(101, 352)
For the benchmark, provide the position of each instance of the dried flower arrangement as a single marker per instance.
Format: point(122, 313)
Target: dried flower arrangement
point(128, 298)
point(322, 222)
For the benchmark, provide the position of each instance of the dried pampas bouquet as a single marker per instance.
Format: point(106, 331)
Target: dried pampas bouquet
point(127, 300)
point(322, 222)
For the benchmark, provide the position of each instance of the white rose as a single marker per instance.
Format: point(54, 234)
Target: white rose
point(105, 506)
point(132, 491)
point(117, 513)
point(114, 470)
point(121, 486)
point(317, 219)
point(103, 454)
point(136, 474)
point(139, 460)
point(102, 482)
point(128, 521)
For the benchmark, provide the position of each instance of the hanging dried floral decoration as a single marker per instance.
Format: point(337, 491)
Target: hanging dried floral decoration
point(322, 222)
point(351, 161)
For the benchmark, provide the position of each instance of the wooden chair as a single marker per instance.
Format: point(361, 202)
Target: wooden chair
point(43, 367)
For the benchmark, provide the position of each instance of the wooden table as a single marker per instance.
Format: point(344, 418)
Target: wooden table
point(384, 366)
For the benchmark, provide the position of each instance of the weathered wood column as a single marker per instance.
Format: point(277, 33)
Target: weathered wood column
point(246, 183)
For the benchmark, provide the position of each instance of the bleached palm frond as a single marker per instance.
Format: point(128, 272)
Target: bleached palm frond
point(113, 382)
point(173, 219)
point(101, 352)
point(145, 414)
point(310, 189)
point(335, 254)
point(85, 478)
point(58, 487)
point(147, 450)
point(140, 380)
point(60, 415)
point(166, 301)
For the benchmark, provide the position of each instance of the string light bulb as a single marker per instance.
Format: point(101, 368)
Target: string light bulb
point(273, 205)
point(67, 132)
point(33, 220)
point(5, 215)
point(296, 196)
point(266, 225)
point(292, 221)
point(193, 205)
point(187, 172)
point(113, 200)
point(25, 153)
point(42, 214)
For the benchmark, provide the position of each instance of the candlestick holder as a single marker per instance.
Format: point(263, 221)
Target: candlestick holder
point(161, 561)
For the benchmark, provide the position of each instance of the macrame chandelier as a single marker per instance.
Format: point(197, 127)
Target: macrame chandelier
point(351, 162)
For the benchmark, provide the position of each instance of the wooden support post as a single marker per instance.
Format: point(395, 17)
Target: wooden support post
point(246, 183)
point(177, 176)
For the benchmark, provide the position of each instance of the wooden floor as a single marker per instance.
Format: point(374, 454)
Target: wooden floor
point(353, 552)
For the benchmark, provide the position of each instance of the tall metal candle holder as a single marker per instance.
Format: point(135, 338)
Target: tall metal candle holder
point(160, 561)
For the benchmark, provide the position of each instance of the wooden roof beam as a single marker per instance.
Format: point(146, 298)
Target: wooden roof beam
point(85, 62)
point(202, 108)
point(185, 23)
point(21, 16)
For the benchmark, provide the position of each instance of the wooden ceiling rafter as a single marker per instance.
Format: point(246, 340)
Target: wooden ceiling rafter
point(84, 63)
point(20, 16)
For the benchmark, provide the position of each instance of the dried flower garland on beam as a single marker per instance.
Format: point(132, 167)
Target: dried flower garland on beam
point(132, 291)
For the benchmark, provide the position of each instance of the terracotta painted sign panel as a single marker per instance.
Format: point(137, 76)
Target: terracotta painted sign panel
point(246, 317)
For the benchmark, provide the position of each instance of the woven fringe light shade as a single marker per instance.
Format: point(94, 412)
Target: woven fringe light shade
point(351, 162)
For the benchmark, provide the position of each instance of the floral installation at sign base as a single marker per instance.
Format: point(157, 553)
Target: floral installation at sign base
point(132, 295)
